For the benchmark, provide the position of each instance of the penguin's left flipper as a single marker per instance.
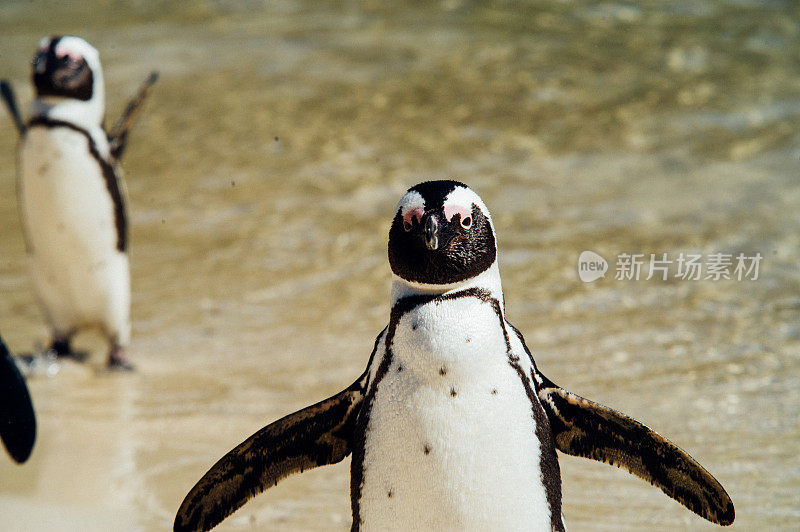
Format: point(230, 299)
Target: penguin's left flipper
point(584, 428)
point(17, 420)
point(317, 435)
point(10, 98)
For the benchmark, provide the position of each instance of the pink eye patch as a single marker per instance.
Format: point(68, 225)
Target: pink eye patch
point(412, 214)
point(68, 53)
point(451, 210)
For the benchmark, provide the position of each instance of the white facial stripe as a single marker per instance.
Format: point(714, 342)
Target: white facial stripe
point(411, 201)
point(460, 201)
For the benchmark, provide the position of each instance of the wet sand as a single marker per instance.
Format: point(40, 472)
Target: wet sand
point(261, 181)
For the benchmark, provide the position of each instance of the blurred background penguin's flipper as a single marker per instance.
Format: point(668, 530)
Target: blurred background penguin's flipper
point(118, 136)
point(17, 420)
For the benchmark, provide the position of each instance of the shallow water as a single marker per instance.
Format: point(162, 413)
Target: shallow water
point(261, 180)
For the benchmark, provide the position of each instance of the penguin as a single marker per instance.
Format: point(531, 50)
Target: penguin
point(452, 425)
point(72, 201)
point(17, 418)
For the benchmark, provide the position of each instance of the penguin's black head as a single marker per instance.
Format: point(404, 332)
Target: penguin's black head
point(61, 68)
point(441, 234)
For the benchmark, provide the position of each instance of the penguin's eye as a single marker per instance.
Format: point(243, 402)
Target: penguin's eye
point(466, 223)
point(407, 225)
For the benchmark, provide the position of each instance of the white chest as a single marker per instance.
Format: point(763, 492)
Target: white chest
point(451, 439)
point(71, 232)
point(64, 199)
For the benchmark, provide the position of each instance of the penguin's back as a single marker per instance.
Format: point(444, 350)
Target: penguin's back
point(451, 440)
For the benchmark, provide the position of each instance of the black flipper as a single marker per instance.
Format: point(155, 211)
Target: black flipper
point(317, 435)
point(17, 420)
point(11, 102)
point(118, 136)
point(584, 428)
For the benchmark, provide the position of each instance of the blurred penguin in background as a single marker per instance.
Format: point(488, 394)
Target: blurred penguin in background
point(72, 198)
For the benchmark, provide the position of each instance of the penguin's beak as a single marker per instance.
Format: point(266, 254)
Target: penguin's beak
point(39, 62)
point(430, 232)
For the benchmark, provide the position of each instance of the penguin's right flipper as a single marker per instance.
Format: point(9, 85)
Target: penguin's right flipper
point(11, 102)
point(584, 428)
point(317, 435)
point(118, 136)
point(17, 420)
